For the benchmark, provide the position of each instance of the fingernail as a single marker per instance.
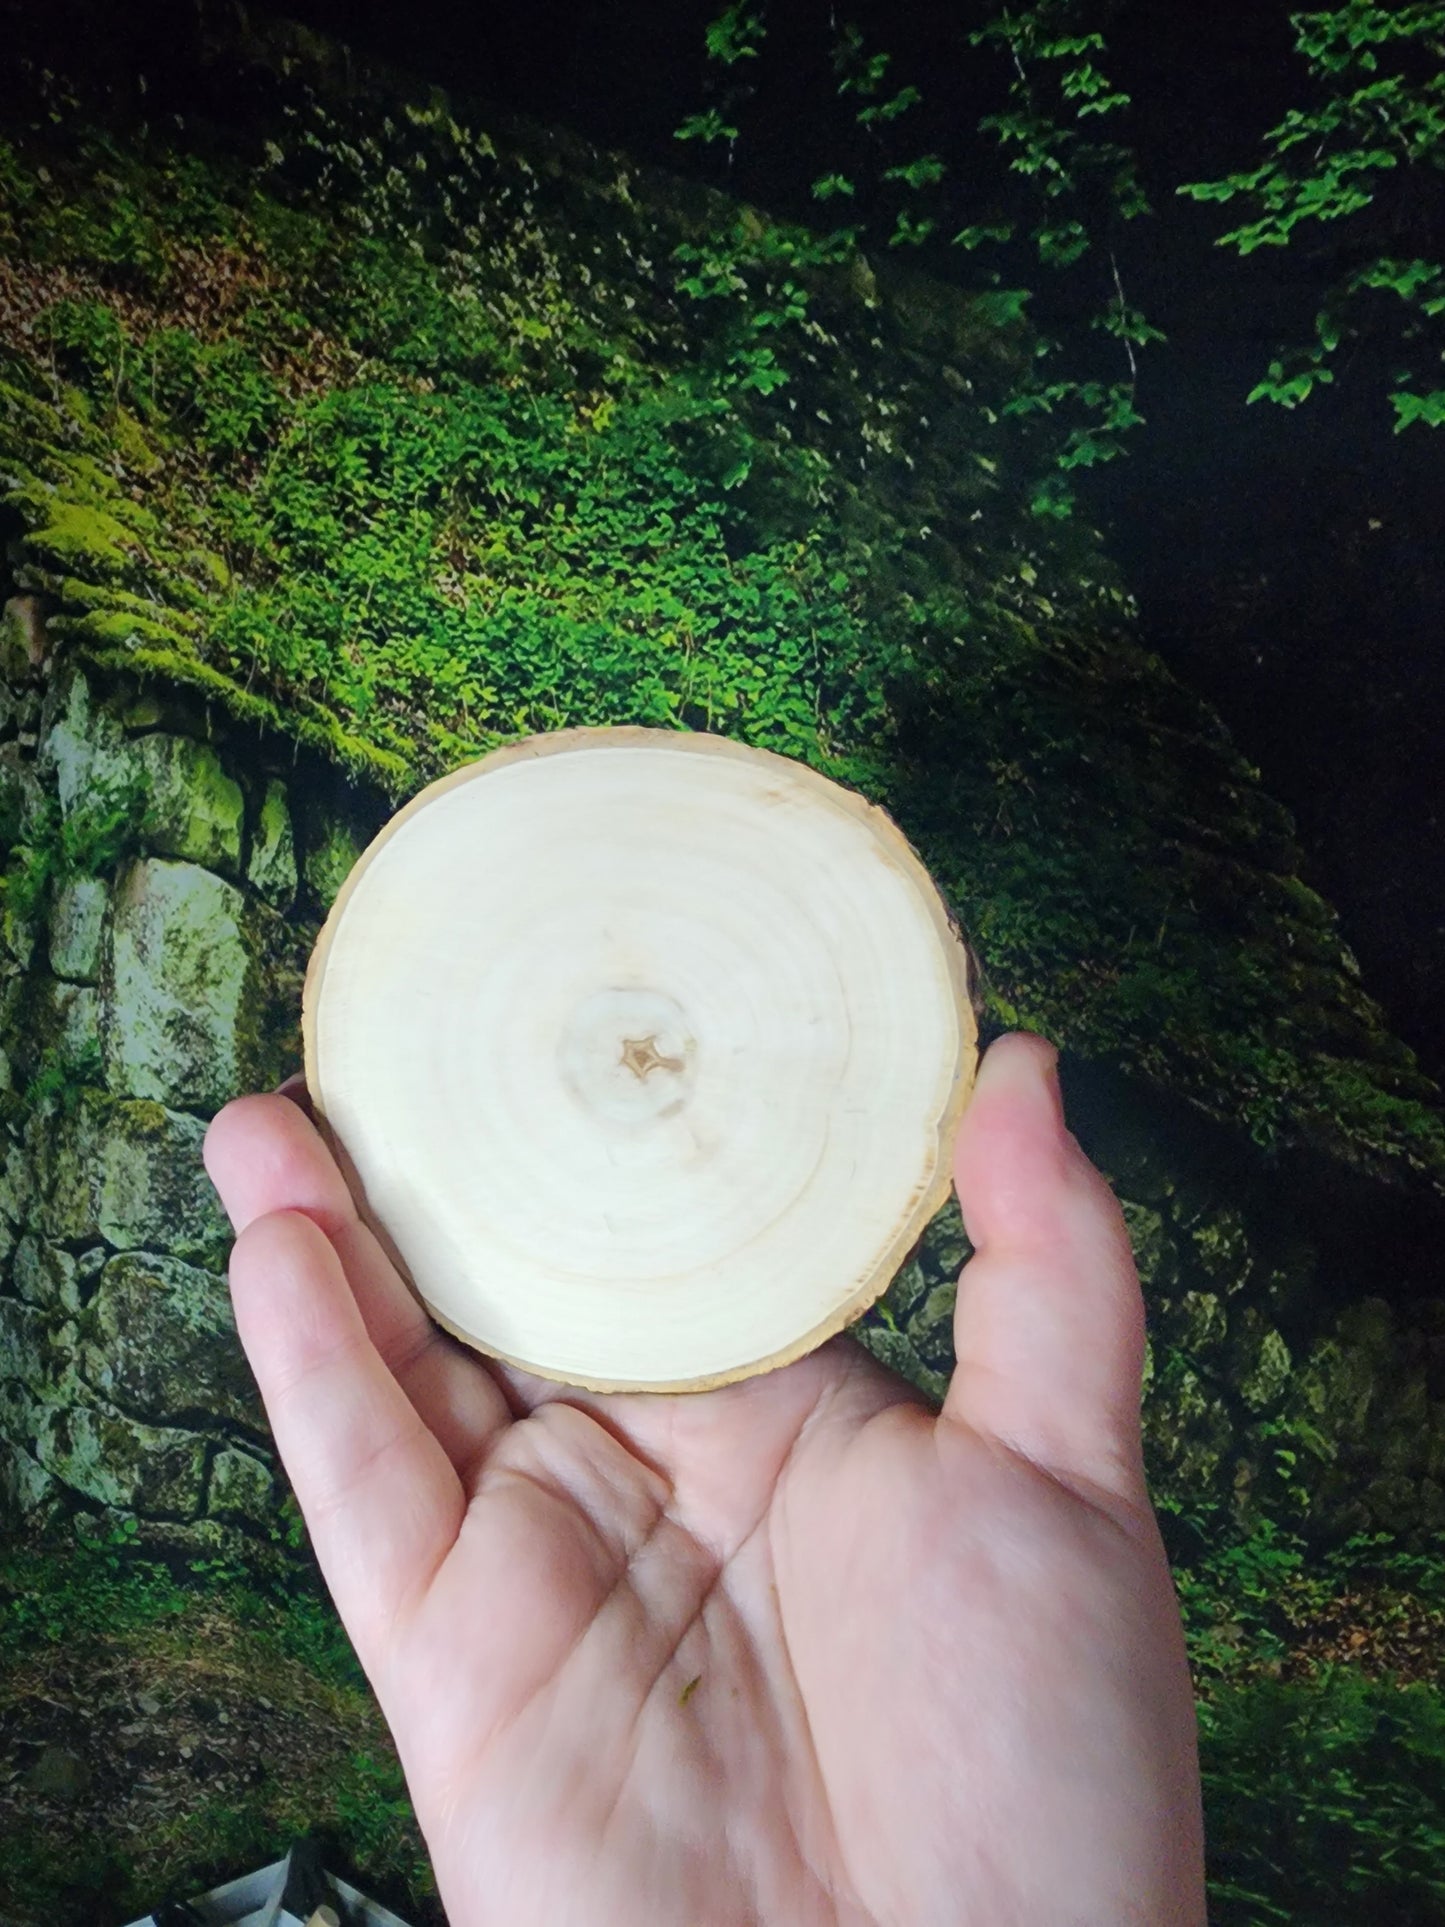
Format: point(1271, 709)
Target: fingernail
point(1038, 1063)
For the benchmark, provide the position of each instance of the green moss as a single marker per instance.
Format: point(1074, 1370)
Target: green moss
point(130, 443)
point(82, 540)
point(109, 604)
point(417, 483)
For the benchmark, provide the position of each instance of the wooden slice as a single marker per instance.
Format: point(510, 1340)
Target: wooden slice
point(644, 1052)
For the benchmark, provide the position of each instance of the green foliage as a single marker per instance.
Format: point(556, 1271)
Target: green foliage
point(86, 341)
point(48, 1599)
point(1055, 173)
point(1322, 1803)
point(1360, 156)
point(436, 451)
point(283, 1641)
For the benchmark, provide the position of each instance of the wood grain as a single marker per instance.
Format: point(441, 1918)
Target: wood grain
point(644, 1052)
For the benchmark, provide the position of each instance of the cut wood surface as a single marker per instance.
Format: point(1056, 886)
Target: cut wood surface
point(644, 1052)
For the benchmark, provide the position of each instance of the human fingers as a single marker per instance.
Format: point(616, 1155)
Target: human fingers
point(382, 1501)
point(1049, 1327)
point(263, 1155)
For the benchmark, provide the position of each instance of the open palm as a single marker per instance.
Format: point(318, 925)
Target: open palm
point(797, 1651)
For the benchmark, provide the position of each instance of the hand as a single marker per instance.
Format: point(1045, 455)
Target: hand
point(797, 1651)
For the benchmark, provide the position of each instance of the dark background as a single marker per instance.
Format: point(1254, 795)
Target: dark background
point(1289, 564)
point(1248, 534)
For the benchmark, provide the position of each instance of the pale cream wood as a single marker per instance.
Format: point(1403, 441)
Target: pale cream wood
point(644, 1052)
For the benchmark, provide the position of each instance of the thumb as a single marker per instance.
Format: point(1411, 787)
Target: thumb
point(1049, 1327)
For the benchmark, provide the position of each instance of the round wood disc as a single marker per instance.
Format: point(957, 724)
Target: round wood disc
point(644, 1051)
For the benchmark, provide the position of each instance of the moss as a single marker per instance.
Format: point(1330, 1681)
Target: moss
point(180, 626)
point(81, 538)
point(272, 865)
point(331, 859)
point(130, 443)
point(407, 498)
point(324, 733)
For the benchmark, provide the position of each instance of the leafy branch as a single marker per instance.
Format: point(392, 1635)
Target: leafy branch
point(1364, 156)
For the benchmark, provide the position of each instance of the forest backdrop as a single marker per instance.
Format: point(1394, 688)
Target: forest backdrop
point(348, 428)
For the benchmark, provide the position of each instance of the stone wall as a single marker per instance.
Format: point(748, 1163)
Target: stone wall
point(179, 865)
point(178, 868)
point(1279, 1379)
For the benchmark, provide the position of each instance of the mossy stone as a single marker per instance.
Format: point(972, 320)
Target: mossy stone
point(130, 441)
point(897, 1351)
point(27, 1490)
point(45, 1274)
point(77, 920)
point(1146, 1237)
point(66, 1017)
point(83, 743)
point(21, 794)
point(22, 639)
point(179, 979)
point(272, 868)
point(25, 1349)
point(242, 1488)
point(17, 1182)
point(123, 1462)
point(330, 857)
point(128, 1172)
point(1187, 1432)
point(161, 1342)
point(142, 711)
point(1197, 1322)
point(1221, 1248)
point(194, 807)
point(1261, 1361)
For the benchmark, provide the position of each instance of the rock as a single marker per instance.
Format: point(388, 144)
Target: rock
point(1187, 1432)
point(142, 711)
point(242, 1488)
point(195, 808)
point(272, 869)
point(1146, 1235)
point(121, 1461)
point(17, 1182)
point(129, 1172)
point(45, 1274)
point(181, 980)
point(162, 1342)
point(26, 1489)
point(77, 920)
point(24, 1342)
point(330, 858)
point(1197, 1322)
point(945, 1249)
point(82, 741)
point(1221, 1249)
point(936, 1313)
point(25, 711)
point(67, 1022)
point(24, 645)
point(58, 1774)
point(1260, 1360)
point(906, 1292)
point(21, 794)
point(1336, 1384)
